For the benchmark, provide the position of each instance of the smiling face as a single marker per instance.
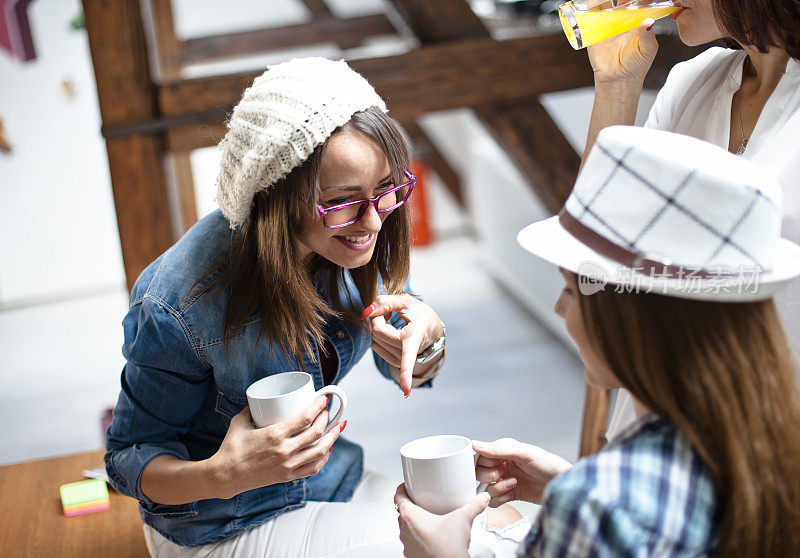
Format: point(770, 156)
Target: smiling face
point(696, 23)
point(353, 167)
point(568, 306)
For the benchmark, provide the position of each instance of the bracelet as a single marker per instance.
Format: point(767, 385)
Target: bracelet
point(419, 380)
point(433, 351)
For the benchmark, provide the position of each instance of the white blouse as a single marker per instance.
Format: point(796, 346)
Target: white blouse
point(696, 100)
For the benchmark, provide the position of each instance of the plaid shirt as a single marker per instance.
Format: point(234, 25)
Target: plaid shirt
point(645, 494)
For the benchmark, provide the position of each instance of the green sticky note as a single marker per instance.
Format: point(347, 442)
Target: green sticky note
point(83, 491)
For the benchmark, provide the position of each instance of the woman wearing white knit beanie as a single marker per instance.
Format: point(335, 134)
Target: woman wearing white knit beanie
point(312, 229)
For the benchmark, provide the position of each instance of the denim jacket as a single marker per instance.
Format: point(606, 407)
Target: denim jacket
point(180, 389)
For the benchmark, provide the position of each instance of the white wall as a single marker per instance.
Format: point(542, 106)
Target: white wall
point(57, 221)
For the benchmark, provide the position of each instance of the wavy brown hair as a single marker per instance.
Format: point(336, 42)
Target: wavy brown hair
point(266, 274)
point(724, 375)
point(761, 23)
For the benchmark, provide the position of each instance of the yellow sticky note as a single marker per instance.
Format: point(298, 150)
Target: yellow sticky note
point(83, 491)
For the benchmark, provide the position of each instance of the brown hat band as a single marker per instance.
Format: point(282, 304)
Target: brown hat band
point(639, 262)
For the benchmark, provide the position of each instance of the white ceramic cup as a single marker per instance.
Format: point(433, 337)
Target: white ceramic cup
point(439, 472)
point(283, 396)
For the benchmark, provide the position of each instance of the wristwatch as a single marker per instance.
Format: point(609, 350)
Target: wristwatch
point(433, 351)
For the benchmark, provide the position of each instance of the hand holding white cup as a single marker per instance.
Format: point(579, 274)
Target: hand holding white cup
point(439, 472)
point(282, 396)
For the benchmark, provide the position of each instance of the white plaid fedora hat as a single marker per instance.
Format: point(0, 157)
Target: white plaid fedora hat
point(659, 212)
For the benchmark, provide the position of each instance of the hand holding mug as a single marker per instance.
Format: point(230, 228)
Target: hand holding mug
point(427, 535)
point(281, 396)
point(516, 471)
point(439, 472)
point(252, 457)
point(283, 435)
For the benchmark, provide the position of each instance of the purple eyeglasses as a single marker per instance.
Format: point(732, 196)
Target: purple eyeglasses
point(344, 214)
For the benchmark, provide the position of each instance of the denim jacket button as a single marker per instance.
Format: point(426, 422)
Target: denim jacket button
point(295, 482)
point(340, 334)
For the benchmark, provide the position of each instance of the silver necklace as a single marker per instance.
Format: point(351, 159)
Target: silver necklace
point(745, 139)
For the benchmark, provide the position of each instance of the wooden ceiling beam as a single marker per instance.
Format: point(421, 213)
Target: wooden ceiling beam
point(468, 73)
point(346, 33)
point(317, 8)
point(195, 136)
point(228, 90)
point(437, 77)
point(441, 21)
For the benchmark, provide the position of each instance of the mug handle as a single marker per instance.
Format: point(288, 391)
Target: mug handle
point(338, 392)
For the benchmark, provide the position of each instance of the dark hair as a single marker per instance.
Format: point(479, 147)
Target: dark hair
point(266, 274)
point(724, 375)
point(760, 23)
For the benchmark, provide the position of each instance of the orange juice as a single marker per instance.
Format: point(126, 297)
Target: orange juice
point(586, 27)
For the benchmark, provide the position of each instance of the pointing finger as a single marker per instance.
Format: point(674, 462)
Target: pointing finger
point(408, 359)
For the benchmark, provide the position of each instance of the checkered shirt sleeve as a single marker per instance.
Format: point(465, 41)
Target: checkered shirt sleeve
point(646, 494)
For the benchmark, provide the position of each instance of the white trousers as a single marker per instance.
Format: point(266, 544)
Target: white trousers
point(365, 527)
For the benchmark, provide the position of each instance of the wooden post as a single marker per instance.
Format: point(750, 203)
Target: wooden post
point(184, 182)
point(168, 47)
point(126, 94)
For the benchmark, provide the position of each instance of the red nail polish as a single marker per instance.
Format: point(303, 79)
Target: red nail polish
point(327, 398)
point(341, 428)
point(367, 311)
point(651, 27)
point(330, 449)
point(406, 395)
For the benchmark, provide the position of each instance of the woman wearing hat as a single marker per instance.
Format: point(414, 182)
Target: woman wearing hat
point(312, 228)
point(670, 252)
point(745, 99)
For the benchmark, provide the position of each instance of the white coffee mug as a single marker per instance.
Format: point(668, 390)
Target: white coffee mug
point(439, 472)
point(283, 396)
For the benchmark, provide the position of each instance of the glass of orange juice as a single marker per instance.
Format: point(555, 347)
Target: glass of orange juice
point(586, 22)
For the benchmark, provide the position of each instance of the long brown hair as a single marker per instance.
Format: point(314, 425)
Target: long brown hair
point(761, 23)
point(266, 275)
point(724, 375)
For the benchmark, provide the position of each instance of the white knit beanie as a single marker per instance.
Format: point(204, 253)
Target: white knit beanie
point(288, 111)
